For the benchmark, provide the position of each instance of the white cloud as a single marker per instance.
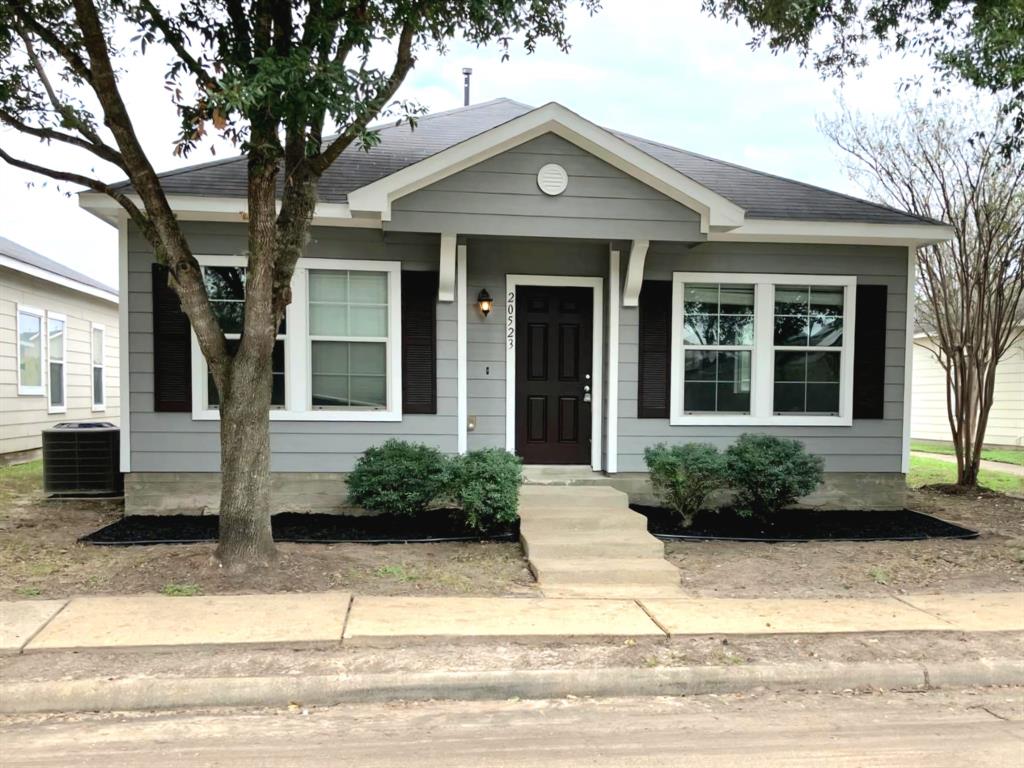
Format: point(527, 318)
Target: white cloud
point(655, 68)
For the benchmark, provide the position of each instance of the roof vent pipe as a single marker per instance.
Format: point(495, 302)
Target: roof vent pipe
point(466, 72)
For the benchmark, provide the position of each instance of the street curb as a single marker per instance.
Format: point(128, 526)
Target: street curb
point(141, 693)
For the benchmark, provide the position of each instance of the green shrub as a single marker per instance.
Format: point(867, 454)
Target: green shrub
point(769, 473)
point(485, 485)
point(684, 475)
point(397, 477)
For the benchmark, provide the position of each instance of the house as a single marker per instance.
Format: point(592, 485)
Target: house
point(1006, 419)
point(58, 347)
point(641, 293)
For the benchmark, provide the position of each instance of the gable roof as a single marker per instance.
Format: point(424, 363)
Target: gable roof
point(761, 195)
point(22, 259)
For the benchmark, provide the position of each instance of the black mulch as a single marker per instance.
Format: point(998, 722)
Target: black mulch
point(804, 525)
point(435, 526)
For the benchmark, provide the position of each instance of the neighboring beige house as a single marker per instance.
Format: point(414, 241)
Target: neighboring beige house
point(929, 420)
point(58, 350)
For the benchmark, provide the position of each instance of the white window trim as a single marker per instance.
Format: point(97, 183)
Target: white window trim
point(93, 327)
point(298, 373)
point(762, 363)
point(63, 407)
point(31, 389)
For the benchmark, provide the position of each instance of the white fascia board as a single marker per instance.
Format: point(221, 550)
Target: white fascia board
point(840, 232)
point(196, 208)
point(52, 277)
point(715, 210)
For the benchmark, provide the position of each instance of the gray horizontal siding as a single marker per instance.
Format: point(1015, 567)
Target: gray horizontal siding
point(868, 445)
point(173, 442)
point(499, 196)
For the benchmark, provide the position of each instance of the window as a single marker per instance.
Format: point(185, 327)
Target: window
point(30, 351)
point(98, 393)
point(762, 349)
point(338, 354)
point(55, 345)
point(348, 336)
point(718, 339)
point(225, 286)
point(808, 341)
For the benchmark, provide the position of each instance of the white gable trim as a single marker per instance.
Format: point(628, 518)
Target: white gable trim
point(839, 232)
point(716, 212)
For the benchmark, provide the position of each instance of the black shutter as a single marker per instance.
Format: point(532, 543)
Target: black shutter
point(172, 348)
point(419, 342)
point(869, 353)
point(655, 356)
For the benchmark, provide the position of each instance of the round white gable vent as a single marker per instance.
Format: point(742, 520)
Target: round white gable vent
point(552, 179)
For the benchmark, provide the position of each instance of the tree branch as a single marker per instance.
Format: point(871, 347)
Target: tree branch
point(177, 41)
point(101, 150)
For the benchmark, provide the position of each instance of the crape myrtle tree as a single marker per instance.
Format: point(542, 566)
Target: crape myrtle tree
point(293, 83)
point(945, 161)
point(979, 42)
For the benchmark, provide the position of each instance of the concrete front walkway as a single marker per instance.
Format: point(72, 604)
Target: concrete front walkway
point(992, 466)
point(333, 618)
point(585, 541)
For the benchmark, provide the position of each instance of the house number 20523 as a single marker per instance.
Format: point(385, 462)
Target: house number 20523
point(510, 319)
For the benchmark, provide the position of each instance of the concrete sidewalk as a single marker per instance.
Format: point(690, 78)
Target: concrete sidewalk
point(332, 618)
point(993, 466)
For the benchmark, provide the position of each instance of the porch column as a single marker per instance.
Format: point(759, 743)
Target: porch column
point(462, 305)
point(611, 460)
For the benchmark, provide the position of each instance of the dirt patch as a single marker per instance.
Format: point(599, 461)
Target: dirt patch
point(40, 557)
point(994, 562)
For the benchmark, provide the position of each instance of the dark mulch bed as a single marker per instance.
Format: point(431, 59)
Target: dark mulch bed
point(804, 525)
point(302, 528)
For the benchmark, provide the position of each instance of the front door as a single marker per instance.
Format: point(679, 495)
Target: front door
point(554, 380)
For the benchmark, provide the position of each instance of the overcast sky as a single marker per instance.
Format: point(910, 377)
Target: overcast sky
point(654, 68)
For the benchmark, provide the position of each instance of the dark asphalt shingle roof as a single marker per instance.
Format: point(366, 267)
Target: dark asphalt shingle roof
point(761, 195)
point(20, 253)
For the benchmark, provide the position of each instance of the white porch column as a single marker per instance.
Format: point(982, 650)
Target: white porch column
point(611, 462)
point(462, 306)
point(635, 272)
point(908, 356)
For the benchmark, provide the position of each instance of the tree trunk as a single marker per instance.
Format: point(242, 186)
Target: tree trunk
point(245, 537)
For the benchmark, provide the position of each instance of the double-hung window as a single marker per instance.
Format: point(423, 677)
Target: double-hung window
point(338, 353)
point(99, 398)
point(762, 349)
point(56, 328)
point(30, 351)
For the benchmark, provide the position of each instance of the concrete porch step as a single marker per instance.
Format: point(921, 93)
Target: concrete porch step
point(558, 572)
point(624, 524)
point(576, 549)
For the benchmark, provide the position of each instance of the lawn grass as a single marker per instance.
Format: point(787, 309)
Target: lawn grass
point(1004, 455)
point(931, 471)
point(20, 479)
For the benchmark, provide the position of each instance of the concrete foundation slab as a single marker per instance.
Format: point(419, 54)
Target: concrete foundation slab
point(994, 611)
point(159, 621)
point(21, 619)
point(382, 620)
point(769, 616)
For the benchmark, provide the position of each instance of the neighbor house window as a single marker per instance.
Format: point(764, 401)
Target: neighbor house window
point(30, 351)
point(718, 341)
point(761, 349)
point(56, 326)
point(340, 355)
point(225, 285)
point(98, 393)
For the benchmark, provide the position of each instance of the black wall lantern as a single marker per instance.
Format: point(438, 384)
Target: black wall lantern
point(485, 302)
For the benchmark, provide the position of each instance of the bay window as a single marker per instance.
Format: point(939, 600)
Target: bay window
point(761, 349)
point(337, 356)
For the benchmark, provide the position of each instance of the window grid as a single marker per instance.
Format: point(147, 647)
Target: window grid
point(56, 351)
point(809, 348)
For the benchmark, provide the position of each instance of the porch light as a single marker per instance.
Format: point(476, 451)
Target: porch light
point(485, 302)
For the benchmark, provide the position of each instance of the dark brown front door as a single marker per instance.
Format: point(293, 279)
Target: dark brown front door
point(554, 380)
